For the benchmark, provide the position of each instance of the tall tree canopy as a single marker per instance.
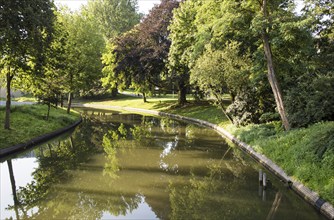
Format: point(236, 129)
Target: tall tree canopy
point(311, 99)
point(182, 35)
point(265, 32)
point(138, 58)
point(84, 47)
point(25, 29)
point(113, 17)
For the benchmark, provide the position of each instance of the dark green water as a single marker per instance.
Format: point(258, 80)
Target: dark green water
point(127, 166)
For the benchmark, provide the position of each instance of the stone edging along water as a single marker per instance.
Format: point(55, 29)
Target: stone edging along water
point(311, 197)
point(37, 140)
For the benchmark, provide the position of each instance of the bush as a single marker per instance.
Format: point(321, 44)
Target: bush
point(311, 101)
point(269, 116)
point(244, 109)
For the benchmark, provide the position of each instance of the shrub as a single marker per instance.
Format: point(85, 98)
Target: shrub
point(244, 109)
point(311, 101)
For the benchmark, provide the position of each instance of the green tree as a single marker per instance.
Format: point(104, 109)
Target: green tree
point(83, 51)
point(113, 17)
point(182, 35)
point(25, 32)
point(311, 100)
point(47, 83)
point(270, 65)
point(138, 58)
point(267, 32)
point(123, 66)
point(220, 72)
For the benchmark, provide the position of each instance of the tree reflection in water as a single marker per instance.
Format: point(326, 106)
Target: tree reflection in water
point(114, 163)
point(54, 160)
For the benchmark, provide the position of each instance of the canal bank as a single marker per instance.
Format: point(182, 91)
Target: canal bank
point(308, 195)
point(37, 140)
point(140, 166)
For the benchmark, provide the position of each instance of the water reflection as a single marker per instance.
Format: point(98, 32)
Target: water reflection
point(131, 166)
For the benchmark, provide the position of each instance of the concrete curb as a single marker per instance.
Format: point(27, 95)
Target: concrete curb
point(20, 147)
point(311, 197)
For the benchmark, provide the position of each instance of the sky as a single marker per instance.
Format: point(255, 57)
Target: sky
point(144, 5)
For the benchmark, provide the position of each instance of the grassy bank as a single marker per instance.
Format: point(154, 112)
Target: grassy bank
point(306, 154)
point(28, 121)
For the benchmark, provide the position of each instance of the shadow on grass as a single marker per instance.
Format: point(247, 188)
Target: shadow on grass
point(164, 104)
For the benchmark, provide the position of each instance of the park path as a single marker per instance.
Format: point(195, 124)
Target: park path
point(3, 103)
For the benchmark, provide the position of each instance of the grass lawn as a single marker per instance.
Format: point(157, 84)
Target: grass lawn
point(196, 109)
point(307, 154)
point(28, 121)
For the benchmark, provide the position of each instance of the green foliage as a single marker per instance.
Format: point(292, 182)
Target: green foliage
point(268, 117)
point(29, 122)
point(24, 39)
point(310, 102)
point(113, 17)
point(182, 35)
point(83, 49)
point(26, 28)
point(203, 29)
point(48, 84)
point(245, 108)
point(222, 71)
point(136, 59)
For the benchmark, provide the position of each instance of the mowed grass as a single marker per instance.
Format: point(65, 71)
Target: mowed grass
point(28, 121)
point(306, 154)
point(154, 103)
point(204, 110)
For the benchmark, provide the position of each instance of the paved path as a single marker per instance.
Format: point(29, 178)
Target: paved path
point(3, 103)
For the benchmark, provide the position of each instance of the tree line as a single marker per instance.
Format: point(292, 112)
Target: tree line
point(274, 63)
point(54, 53)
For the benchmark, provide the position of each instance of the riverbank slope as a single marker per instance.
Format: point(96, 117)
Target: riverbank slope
point(29, 121)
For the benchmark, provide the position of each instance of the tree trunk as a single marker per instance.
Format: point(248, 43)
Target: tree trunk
point(182, 93)
point(8, 100)
point(56, 101)
point(48, 114)
point(69, 103)
point(221, 104)
point(144, 97)
point(232, 96)
point(61, 100)
point(271, 73)
point(114, 92)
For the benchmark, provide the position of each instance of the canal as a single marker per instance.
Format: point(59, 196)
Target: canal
point(129, 166)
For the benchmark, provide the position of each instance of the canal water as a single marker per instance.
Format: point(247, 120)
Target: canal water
point(129, 166)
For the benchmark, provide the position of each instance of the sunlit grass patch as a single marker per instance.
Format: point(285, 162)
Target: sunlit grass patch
point(29, 121)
